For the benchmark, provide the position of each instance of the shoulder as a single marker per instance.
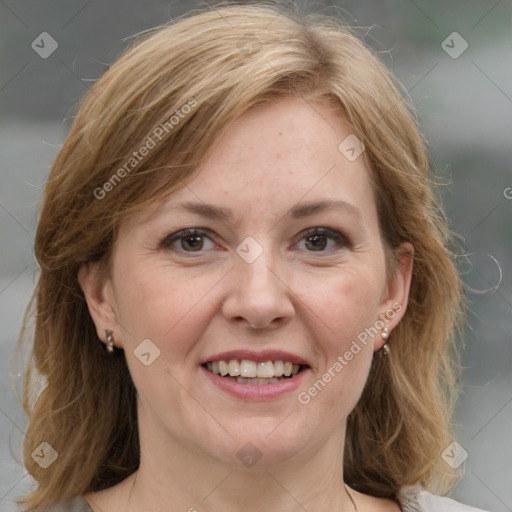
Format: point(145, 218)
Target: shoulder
point(414, 498)
point(75, 504)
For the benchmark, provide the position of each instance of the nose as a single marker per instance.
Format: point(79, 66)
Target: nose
point(259, 296)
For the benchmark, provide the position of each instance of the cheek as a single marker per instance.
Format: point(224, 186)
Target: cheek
point(143, 302)
point(344, 316)
point(346, 302)
point(161, 303)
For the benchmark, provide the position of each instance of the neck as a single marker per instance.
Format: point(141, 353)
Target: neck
point(234, 490)
point(174, 473)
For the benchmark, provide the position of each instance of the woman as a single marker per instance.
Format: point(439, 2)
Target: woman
point(242, 214)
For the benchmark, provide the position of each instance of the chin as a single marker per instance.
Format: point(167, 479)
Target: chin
point(262, 442)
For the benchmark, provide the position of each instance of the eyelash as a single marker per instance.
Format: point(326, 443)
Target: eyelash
point(341, 240)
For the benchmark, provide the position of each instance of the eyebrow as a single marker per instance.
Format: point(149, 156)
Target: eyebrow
point(299, 211)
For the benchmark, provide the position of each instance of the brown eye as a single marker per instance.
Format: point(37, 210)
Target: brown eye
point(323, 240)
point(189, 240)
point(192, 243)
point(316, 242)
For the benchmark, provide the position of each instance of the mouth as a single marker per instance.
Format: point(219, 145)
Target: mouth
point(246, 371)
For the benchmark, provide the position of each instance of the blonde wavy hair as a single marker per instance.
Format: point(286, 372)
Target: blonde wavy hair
point(226, 60)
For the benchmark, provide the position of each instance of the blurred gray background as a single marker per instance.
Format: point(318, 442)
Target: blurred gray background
point(464, 100)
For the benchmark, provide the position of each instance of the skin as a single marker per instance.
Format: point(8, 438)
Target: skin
point(294, 297)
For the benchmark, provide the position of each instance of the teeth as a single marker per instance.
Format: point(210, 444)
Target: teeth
point(278, 368)
point(234, 368)
point(223, 368)
point(241, 380)
point(247, 368)
point(265, 370)
point(261, 372)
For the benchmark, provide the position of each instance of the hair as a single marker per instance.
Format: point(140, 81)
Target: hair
point(221, 62)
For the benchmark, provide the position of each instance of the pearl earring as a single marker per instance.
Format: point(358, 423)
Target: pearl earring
point(110, 341)
point(385, 335)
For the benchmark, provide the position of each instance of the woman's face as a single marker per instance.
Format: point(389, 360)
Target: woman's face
point(271, 253)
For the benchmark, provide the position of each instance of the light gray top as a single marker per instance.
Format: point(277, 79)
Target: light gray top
point(416, 499)
point(411, 499)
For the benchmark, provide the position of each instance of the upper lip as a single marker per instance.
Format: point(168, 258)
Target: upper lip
point(251, 355)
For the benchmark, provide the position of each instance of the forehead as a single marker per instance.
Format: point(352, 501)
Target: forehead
point(276, 156)
point(282, 135)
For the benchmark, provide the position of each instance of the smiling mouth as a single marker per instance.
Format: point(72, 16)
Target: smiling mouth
point(254, 372)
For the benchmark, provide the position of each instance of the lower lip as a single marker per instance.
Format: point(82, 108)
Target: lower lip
point(256, 391)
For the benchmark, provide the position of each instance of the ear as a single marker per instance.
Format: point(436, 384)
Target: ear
point(99, 295)
point(396, 294)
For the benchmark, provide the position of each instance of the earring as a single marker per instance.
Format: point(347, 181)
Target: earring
point(385, 335)
point(110, 341)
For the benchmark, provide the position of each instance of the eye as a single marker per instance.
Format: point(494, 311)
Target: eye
point(323, 240)
point(187, 240)
point(313, 240)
